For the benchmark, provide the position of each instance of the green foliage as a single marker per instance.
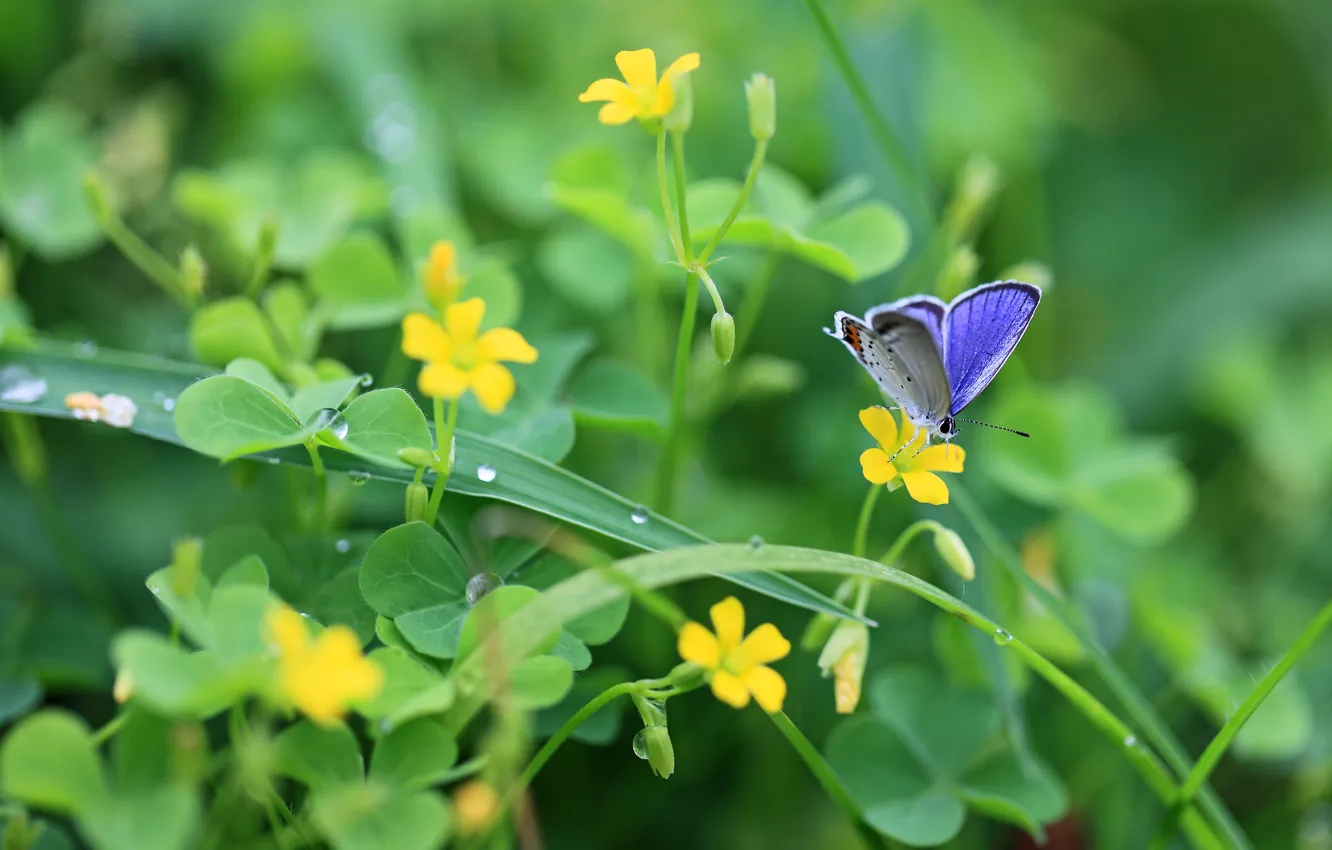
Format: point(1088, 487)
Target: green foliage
point(43, 157)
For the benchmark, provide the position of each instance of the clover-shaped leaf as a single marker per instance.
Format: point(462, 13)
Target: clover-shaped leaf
point(373, 816)
point(230, 328)
point(414, 755)
point(926, 752)
point(318, 756)
point(358, 283)
point(414, 576)
point(43, 158)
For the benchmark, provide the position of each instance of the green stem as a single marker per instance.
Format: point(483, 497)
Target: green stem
point(827, 778)
point(891, 148)
point(712, 291)
point(321, 484)
point(755, 295)
point(676, 244)
point(755, 165)
point(1197, 777)
point(154, 266)
point(104, 734)
point(263, 260)
point(443, 448)
point(904, 539)
point(670, 456)
point(1120, 685)
point(862, 524)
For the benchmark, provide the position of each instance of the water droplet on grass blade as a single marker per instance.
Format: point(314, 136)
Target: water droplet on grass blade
point(332, 421)
point(18, 384)
point(357, 476)
point(485, 473)
point(640, 744)
point(343, 545)
point(481, 584)
point(640, 515)
point(87, 348)
point(1002, 637)
point(755, 543)
point(367, 379)
point(1130, 742)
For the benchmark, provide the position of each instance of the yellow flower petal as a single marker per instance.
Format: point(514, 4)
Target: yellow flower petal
point(639, 67)
point(493, 386)
point(728, 688)
point(664, 98)
point(767, 686)
point(875, 467)
point(683, 65)
point(881, 425)
point(423, 338)
point(614, 91)
point(504, 344)
point(442, 380)
point(323, 681)
point(945, 458)
point(699, 645)
point(463, 319)
point(764, 644)
point(288, 630)
point(926, 487)
point(728, 621)
point(615, 113)
point(909, 434)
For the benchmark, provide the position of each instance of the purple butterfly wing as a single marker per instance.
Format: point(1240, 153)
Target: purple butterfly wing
point(926, 309)
point(980, 330)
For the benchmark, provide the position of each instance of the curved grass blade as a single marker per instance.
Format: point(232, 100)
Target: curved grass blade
point(518, 478)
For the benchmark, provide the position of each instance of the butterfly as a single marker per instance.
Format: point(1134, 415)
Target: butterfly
point(933, 358)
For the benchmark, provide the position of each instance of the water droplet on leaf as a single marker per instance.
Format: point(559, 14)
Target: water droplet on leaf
point(640, 516)
point(358, 476)
point(640, 744)
point(755, 543)
point(20, 385)
point(1002, 637)
point(485, 473)
point(87, 348)
point(1130, 742)
point(481, 584)
point(367, 379)
point(332, 421)
point(343, 545)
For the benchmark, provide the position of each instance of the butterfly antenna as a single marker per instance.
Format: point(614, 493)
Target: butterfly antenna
point(996, 427)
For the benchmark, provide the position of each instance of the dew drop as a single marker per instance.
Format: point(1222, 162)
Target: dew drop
point(640, 744)
point(169, 405)
point(485, 473)
point(87, 348)
point(18, 384)
point(343, 545)
point(1130, 742)
point(640, 515)
point(1002, 637)
point(332, 421)
point(480, 585)
point(755, 543)
point(358, 477)
point(367, 379)
point(273, 459)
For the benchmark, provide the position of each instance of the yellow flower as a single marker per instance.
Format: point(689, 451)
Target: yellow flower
point(442, 281)
point(912, 467)
point(458, 360)
point(640, 94)
point(321, 676)
point(737, 666)
point(475, 804)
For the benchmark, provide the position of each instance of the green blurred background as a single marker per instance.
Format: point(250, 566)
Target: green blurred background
point(1168, 164)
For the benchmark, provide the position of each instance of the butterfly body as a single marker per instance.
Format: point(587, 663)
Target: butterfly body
point(932, 359)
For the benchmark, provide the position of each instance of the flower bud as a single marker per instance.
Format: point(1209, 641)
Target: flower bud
point(762, 98)
point(954, 553)
point(193, 271)
point(660, 751)
point(417, 457)
point(418, 498)
point(123, 688)
point(440, 275)
point(475, 805)
point(682, 111)
point(687, 675)
point(186, 566)
point(723, 336)
point(977, 184)
point(844, 656)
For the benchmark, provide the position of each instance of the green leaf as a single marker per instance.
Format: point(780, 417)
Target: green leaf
point(372, 817)
point(493, 281)
point(946, 726)
point(381, 423)
point(496, 607)
point(612, 395)
point(594, 628)
point(893, 789)
point(227, 417)
point(142, 751)
point(1002, 788)
point(325, 395)
point(178, 683)
point(413, 575)
point(237, 614)
point(588, 268)
point(229, 544)
point(358, 283)
point(610, 211)
point(231, 328)
point(257, 373)
point(603, 727)
point(18, 695)
point(248, 570)
point(49, 760)
point(548, 435)
point(43, 158)
point(520, 478)
point(572, 650)
point(318, 756)
point(289, 311)
point(162, 818)
point(1140, 493)
point(539, 682)
point(411, 689)
point(339, 601)
point(415, 755)
point(873, 236)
